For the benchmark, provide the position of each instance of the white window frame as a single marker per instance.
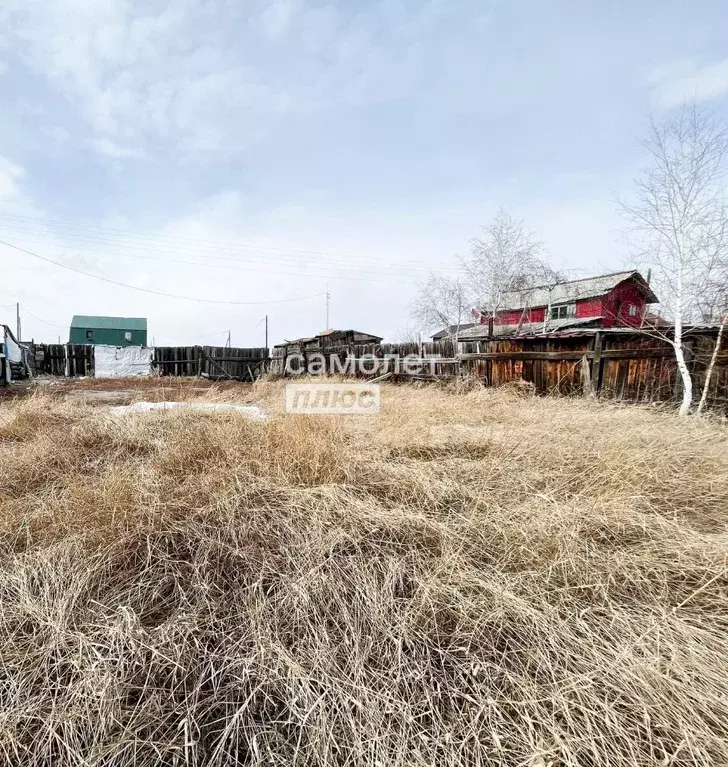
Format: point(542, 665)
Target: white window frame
point(562, 311)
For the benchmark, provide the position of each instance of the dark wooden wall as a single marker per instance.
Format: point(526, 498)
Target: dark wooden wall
point(61, 359)
point(612, 364)
point(209, 361)
point(219, 362)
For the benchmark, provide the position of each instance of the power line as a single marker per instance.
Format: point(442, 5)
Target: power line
point(155, 292)
point(304, 273)
point(230, 248)
point(208, 335)
point(52, 324)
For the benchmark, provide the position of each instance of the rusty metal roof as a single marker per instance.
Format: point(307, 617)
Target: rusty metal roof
point(449, 331)
point(527, 328)
point(326, 334)
point(573, 290)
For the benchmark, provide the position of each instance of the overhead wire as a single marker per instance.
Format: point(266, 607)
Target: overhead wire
point(235, 248)
point(156, 292)
point(304, 273)
point(52, 324)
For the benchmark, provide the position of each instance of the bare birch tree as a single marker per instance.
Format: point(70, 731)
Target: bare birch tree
point(713, 301)
point(711, 364)
point(507, 257)
point(678, 221)
point(443, 302)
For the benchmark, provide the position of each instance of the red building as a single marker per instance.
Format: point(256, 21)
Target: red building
point(609, 300)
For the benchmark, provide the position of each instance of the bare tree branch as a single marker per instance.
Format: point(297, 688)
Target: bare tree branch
point(507, 257)
point(679, 224)
point(442, 302)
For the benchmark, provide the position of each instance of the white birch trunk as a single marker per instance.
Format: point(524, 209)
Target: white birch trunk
point(714, 357)
point(687, 399)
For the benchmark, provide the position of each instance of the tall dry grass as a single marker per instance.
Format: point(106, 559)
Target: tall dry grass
point(467, 579)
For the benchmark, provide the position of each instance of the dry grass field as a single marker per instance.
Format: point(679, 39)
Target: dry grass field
point(469, 578)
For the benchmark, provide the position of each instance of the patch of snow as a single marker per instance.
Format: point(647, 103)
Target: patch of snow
point(252, 411)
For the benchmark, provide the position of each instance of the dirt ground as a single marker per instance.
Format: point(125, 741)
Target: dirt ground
point(122, 391)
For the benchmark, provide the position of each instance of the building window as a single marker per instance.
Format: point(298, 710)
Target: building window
point(632, 310)
point(127, 335)
point(560, 312)
point(89, 335)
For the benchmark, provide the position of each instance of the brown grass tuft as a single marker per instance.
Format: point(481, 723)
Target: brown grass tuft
point(469, 578)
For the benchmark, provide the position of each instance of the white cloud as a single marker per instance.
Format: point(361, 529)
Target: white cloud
point(204, 76)
point(109, 148)
point(14, 199)
point(276, 19)
point(10, 175)
point(701, 84)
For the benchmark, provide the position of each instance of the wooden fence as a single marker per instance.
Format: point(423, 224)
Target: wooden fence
point(61, 359)
point(209, 361)
point(615, 364)
point(618, 364)
point(217, 362)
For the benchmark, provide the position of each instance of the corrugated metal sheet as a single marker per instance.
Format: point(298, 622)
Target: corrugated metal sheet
point(108, 323)
point(563, 292)
point(449, 331)
point(527, 328)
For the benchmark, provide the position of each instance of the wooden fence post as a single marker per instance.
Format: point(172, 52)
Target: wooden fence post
point(587, 386)
point(596, 368)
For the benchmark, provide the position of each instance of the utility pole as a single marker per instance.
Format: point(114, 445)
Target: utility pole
point(228, 340)
point(18, 328)
point(328, 299)
point(266, 331)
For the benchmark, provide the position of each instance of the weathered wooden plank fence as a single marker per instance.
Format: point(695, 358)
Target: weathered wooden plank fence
point(61, 359)
point(217, 362)
point(615, 364)
point(241, 364)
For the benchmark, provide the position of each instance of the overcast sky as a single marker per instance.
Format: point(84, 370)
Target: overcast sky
point(243, 151)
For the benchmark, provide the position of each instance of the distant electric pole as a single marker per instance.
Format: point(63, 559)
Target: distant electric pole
point(328, 299)
point(266, 331)
point(229, 340)
point(18, 328)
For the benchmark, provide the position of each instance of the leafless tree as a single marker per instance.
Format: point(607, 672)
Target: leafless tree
point(507, 257)
point(714, 303)
point(711, 364)
point(443, 302)
point(678, 223)
point(407, 335)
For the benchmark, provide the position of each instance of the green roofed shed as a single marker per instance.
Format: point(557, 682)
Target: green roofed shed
point(109, 331)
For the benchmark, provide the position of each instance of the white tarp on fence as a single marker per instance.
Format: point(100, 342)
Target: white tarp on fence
point(14, 353)
point(122, 361)
point(13, 350)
